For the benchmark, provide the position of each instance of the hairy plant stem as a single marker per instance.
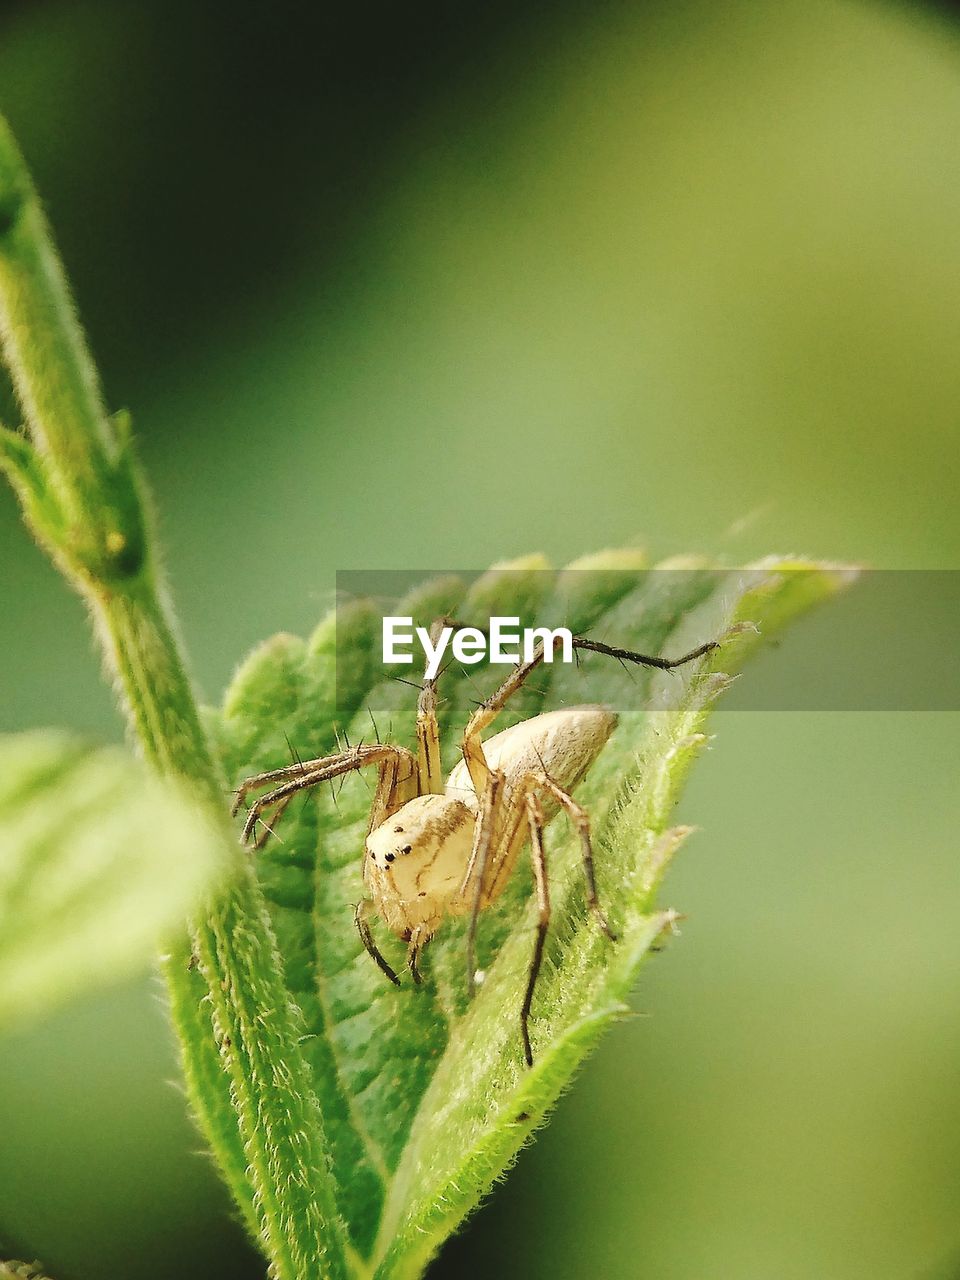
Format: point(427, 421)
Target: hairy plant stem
point(85, 500)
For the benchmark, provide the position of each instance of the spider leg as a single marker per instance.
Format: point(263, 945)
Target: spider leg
point(538, 857)
point(396, 781)
point(428, 727)
point(360, 919)
point(475, 876)
point(268, 826)
point(581, 821)
point(643, 659)
point(271, 775)
point(418, 940)
point(488, 711)
point(485, 714)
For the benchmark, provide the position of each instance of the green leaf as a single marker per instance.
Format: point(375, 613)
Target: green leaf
point(99, 862)
point(425, 1096)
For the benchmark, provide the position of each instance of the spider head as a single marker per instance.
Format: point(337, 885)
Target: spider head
point(415, 861)
point(420, 830)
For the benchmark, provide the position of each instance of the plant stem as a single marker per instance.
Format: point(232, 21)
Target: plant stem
point(85, 500)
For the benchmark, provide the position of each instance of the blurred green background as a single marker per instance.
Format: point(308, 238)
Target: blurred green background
point(429, 286)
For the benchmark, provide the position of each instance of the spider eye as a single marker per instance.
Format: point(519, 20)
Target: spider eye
point(399, 830)
point(407, 848)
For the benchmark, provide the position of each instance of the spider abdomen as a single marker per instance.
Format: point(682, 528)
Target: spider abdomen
point(562, 743)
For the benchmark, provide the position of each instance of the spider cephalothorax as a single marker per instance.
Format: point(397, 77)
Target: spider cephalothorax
point(436, 849)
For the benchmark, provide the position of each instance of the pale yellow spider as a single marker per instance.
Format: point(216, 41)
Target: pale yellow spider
point(435, 850)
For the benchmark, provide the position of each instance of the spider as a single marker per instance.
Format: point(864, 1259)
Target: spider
point(435, 850)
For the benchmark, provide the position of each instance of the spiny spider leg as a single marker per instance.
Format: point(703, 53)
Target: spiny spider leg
point(396, 781)
point(418, 941)
point(642, 659)
point(580, 819)
point(483, 842)
point(538, 857)
point(272, 775)
point(488, 711)
point(360, 919)
point(269, 825)
point(428, 728)
point(495, 850)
